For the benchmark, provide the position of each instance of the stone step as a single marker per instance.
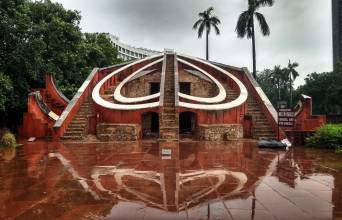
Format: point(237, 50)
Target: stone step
point(77, 123)
point(168, 135)
point(73, 133)
point(81, 125)
point(75, 129)
point(78, 119)
point(169, 104)
point(169, 110)
point(67, 137)
point(263, 126)
point(167, 116)
point(168, 123)
point(169, 129)
point(263, 131)
point(264, 134)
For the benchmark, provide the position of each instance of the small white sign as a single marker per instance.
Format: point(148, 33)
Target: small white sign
point(166, 154)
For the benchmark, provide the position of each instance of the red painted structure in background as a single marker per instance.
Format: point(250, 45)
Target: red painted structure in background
point(305, 123)
point(35, 122)
point(304, 120)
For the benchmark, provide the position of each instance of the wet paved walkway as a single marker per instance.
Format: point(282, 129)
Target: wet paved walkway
point(232, 180)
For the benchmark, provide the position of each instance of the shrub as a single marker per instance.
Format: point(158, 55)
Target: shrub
point(8, 140)
point(328, 136)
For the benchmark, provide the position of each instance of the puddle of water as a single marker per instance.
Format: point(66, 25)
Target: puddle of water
point(196, 180)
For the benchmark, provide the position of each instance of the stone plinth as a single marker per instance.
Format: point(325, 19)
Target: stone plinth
point(118, 132)
point(220, 132)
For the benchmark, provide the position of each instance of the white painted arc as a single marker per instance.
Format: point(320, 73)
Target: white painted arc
point(100, 101)
point(233, 104)
point(123, 99)
point(223, 106)
point(219, 98)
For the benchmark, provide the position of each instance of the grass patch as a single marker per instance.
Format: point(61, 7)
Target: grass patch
point(8, 140)
point(329, 137)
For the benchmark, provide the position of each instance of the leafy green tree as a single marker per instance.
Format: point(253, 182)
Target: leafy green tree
point(41, 36)
point(6, 88)
point(274, 83)
point(245, 24)
point(325, 90)
point(206, 21)
point(292, 75)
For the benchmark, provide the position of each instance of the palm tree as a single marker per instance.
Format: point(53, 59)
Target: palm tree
point(206, 21)
point(245, 24)
point(279, 77)
point(292, 74)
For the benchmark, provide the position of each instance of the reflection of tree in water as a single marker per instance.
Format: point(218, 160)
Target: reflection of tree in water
point(37, 187)
point(89, 180)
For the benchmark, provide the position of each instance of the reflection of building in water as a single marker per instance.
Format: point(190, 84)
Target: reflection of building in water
point(173, 184)
point(115, 179)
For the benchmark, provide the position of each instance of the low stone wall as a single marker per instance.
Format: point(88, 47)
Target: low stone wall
point(117, 132)
point(220, 132)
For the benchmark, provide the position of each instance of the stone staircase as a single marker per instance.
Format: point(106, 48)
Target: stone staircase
point(109, 92)
point(78, 128)
point(262, 128)
point(169, 128)
point(53, 105)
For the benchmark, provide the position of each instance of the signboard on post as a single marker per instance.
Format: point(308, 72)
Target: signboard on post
point(285, 117)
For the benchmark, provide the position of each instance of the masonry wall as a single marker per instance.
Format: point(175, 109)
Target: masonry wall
point(199, 87)
point(118, 132)
point(222, 132)
point(141, 86)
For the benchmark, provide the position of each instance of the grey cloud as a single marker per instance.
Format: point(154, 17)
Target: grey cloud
point(300, 30)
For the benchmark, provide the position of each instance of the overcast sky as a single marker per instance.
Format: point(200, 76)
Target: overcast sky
point(300, 29)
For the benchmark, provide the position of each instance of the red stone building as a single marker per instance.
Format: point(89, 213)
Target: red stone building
point(166, 96)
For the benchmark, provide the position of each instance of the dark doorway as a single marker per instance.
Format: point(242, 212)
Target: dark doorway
point(185, 88)
point(154, 88)
point(187, 123)
point(150, 125)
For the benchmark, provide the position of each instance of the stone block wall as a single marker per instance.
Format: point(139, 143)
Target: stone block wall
point(118, 132)
point(199, 87)
point(141, 86)
point(220, 132)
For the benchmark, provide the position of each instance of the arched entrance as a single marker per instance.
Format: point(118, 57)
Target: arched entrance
point(187, 123)
point(150, 125)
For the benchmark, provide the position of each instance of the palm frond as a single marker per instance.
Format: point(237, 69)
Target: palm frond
point(215, 20)
point(210, 10)
point(202, 14)
point(197, 23)
point(295, 65)
point(217, 30)
point(259, 3)
point(243, 24)
point(201, 29)
point(265, 30)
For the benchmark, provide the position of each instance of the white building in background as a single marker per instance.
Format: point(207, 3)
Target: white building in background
point(127, 52)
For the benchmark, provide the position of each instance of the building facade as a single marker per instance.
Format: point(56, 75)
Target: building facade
point(166, 96)
point(127, 52)
point(337, 30)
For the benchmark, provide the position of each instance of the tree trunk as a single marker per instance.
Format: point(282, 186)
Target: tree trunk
point(253, 48)
point(278, 90)
point(290, 91)
point(207, 45)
